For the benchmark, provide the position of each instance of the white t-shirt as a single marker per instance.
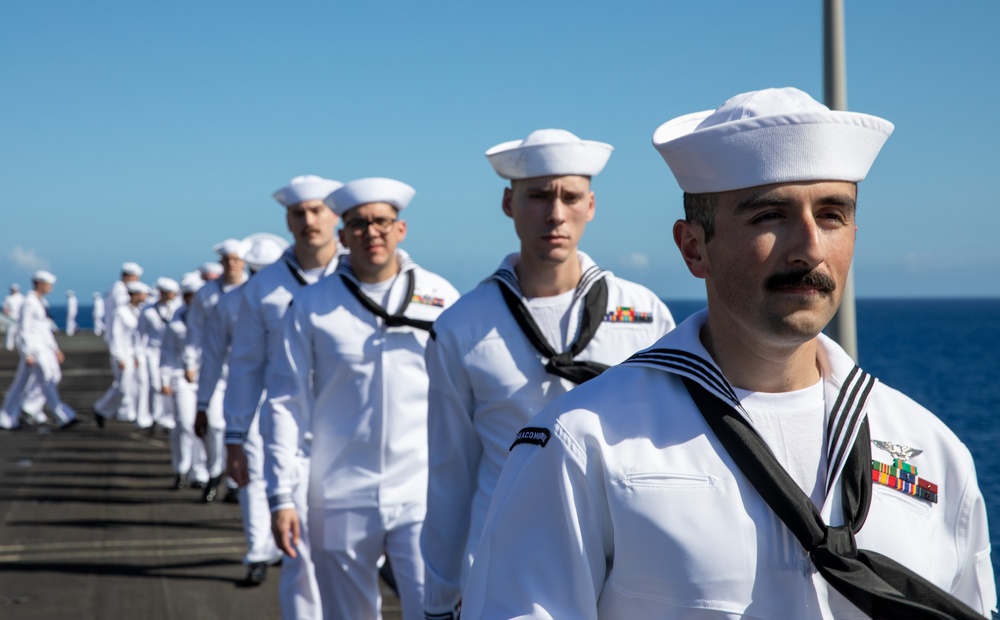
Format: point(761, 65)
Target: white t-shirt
point(551, 314)
point(793, 425)
point(312, 276)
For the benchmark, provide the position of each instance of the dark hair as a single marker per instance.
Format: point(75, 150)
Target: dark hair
point(700, 209)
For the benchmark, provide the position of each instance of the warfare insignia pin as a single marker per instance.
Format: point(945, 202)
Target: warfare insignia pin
point(901, 475)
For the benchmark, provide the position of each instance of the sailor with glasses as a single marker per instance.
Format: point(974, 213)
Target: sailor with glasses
point(355, 381)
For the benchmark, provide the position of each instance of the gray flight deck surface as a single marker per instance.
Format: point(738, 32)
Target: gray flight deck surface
point(90, 529)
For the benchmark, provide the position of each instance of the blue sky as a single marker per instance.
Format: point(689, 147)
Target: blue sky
point(134, 131)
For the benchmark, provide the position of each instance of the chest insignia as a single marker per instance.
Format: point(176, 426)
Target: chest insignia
point(625, 314)
point(428, 300)
point(901, 475)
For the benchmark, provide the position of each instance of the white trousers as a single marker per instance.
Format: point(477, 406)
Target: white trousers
point(120, 401)
point(253, 504)
point(11, 337)
point(33, 400)
point(215, 438)
point(347, 545)
point(19, 388)
point(298, 592)
point(187, 453)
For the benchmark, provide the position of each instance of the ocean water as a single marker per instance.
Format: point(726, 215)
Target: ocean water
point(943, 353)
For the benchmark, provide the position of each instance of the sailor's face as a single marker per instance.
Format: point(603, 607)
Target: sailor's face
point(43, 288)
point(373, 247)
point(776, 267)
point(550, 214)
point(312, 224)
point(167, 296)
point(232, 265)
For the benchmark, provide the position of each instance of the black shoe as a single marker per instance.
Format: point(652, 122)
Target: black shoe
point(232, 496)
point(100, 419)
point(198, 484)
point(211, 490)
point(256, 574)
point(180, 482)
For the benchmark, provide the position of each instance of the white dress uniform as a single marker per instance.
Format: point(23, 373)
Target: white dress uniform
point(71, 309)
point(35, 339)
point(487, 380)
point(153, 322)
point(121, 401)
point(98, 314)
point(197, 320)
point(187, 453)
point(623, 504)
point(252, 363)
point(12, 308)
point(360, 389)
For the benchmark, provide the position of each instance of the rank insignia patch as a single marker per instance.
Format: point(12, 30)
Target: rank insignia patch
point(531, 434)
point(901, 475)
point(428, 300)
point(624, 314)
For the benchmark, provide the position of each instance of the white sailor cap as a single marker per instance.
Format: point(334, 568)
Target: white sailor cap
point(374, 189)
point(43, 276)
point(230, 247)
point(549, 152)
point(168, 285)
point(305, 187)
point(777, 135)
point(131, 269)
point(70, 294)
point(15, 286)
point(136, 287)
point(191, 282)
point(97, 295)
point(210, 268)
point(262, 249)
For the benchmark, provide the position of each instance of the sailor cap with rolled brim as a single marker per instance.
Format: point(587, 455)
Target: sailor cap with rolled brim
point(137, 288)
point(43, 276)
point(549, 152)
point(168, 285)
point(777, 135)
point(305, 187)
point(191, 282)
point(262, 249)
point(210, 268)
point(230, 247)
point(131, 269)
point(364, 191)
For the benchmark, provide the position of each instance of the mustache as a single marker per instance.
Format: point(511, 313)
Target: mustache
point(801, 278)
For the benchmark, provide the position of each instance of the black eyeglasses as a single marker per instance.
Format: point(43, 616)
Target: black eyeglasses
point(359, 226)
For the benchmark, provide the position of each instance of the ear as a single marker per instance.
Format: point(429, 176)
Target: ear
point(402, 230)
point(342, 235)
point(591, 207)
point(689, 238)
point(505, 203)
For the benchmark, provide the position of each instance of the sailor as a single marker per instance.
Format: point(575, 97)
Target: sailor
point(547, 320)
point(258, 250)
point(744, 466)
point(121, 401)
point(153, 320)
point(266, 296)
point(71, 309)
point(187, 453)
point(355, 380)
point(117, 295)
point(209, 423)
point(40, 357)
point(12, 309)
point(97, 314)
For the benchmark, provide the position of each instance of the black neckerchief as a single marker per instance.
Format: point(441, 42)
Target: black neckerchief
point(391, 320)
point(595, 305)
point(876, 584)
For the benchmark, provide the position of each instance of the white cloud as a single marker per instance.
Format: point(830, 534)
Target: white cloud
point(27, 259)
point(635, 260)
